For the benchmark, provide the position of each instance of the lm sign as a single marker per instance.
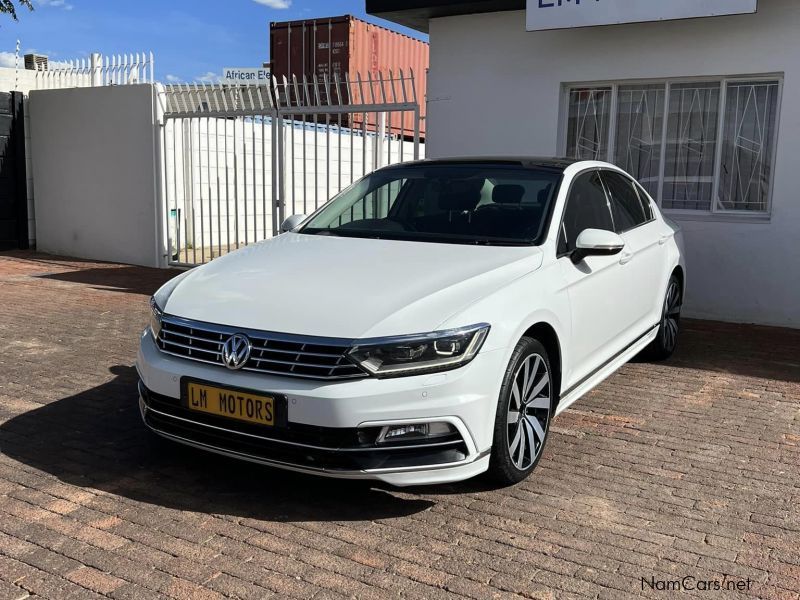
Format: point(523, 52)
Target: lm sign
point(565, 14)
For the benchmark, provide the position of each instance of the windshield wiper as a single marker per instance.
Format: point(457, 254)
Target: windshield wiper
point(345, 233)
point(490, 242)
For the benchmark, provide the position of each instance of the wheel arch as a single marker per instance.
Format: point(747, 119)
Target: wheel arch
point(679, 272)
point(546, 334)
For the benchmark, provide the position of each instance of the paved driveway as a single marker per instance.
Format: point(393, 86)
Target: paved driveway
point(685, 469)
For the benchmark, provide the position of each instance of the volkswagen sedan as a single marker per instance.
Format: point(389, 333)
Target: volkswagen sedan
point(425, 326)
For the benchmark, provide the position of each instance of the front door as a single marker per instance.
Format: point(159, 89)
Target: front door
point(643, 264)
point(601, 304)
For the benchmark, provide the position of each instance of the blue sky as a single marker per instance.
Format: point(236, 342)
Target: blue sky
point(192, 39)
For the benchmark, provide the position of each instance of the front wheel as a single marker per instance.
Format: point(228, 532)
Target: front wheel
point(666, 341)
point(523, 413)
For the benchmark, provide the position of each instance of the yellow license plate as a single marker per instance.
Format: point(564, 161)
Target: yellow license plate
point(234, 404)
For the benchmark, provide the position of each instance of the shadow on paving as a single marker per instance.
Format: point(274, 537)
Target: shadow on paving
point(743, 350)
point(96, 439)
point(132, 280)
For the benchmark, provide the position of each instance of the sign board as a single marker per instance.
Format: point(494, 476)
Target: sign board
point(566, 14)
point(236, 76)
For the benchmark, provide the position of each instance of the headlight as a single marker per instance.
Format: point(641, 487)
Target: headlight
point(155, 318)
point(418, 354)
point(159, 301)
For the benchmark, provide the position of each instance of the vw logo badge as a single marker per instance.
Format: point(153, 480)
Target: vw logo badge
point(236, 352)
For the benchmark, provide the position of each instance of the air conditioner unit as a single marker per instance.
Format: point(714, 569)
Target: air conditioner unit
point(36, 62)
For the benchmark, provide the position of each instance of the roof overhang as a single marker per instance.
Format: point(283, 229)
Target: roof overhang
point(416, 13)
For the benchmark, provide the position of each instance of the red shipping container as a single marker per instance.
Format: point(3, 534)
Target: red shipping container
point(347, 45)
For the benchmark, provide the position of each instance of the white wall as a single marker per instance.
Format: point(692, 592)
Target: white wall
point(94, 167)
point(496, 89)
point(12, 80)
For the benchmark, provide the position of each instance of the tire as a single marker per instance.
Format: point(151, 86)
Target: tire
point(666, 341)
point(520, 435)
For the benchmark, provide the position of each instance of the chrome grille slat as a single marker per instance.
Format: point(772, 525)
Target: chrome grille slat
point(273, 354)
point(358, 375)
point(187, 347)
point(275, 351)
point(198, 339)
point(296, 363)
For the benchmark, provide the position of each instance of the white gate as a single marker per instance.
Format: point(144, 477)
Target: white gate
point(238, 159)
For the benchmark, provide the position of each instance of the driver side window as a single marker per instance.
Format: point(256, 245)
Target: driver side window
point(587, 208)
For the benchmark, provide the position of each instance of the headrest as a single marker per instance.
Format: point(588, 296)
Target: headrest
point(508, 194)
point(462, 195)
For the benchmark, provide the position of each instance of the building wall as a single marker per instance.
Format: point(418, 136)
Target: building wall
point(496, 89)
point(94, 165)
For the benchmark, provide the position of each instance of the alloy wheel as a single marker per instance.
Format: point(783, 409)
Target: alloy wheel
point(672, 316)
point(529, 411)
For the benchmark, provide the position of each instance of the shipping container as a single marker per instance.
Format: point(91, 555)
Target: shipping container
point(349, 46)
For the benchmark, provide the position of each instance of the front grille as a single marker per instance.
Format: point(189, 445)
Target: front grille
point(273, 353)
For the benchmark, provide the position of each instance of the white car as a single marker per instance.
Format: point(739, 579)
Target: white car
point(425, 326)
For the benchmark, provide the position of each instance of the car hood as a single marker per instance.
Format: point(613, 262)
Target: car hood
point(346, 287)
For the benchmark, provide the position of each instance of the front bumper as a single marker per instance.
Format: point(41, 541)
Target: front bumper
point(328, 423)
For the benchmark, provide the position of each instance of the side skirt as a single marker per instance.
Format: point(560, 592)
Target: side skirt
point(605, 371)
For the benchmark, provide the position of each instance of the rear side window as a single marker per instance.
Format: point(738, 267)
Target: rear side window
point(625, 203)
point(647, 203)
point(587, 208)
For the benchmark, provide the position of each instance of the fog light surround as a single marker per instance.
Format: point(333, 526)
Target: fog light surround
point(415, 432)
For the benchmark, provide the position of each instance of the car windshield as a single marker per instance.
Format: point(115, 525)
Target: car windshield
point(467, 204)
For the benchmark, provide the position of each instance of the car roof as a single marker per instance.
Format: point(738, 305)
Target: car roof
point(531, 162)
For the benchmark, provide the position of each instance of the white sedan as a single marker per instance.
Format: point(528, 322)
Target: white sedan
point(425, 326)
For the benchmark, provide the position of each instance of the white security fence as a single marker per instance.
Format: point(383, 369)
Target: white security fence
point(239, 159)
point(96, 71)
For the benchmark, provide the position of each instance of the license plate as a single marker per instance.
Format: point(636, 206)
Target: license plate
point(233, 404)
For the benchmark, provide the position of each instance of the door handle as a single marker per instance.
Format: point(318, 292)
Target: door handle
point(625, 258)
point(664, 239)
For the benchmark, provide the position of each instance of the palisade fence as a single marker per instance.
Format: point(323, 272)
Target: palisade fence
point(237, 160)
point(96, 71)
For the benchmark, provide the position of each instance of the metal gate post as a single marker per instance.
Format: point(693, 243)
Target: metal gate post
point(281, 175)
point(380, 139)
point(277, 169)
point(417, 118)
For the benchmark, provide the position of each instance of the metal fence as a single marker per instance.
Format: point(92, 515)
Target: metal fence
point(240, 159)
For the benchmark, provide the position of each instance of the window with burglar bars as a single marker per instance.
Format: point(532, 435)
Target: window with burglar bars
point(702, 145)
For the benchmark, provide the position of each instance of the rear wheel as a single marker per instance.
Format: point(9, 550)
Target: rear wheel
point(667, 339)
point(523, 413)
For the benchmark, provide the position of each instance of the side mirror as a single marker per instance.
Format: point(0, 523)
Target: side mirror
point(292, 223)
point(597, 242)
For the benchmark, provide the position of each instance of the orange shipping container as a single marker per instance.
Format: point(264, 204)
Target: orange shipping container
point(347, 45)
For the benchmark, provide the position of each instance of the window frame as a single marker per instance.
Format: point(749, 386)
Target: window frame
point(647, 210)
point(717, 212)
point(561, 230)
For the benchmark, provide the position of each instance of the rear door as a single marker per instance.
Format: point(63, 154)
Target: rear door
point(642, 260)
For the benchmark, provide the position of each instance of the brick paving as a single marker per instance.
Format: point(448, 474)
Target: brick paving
point(687, 468)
